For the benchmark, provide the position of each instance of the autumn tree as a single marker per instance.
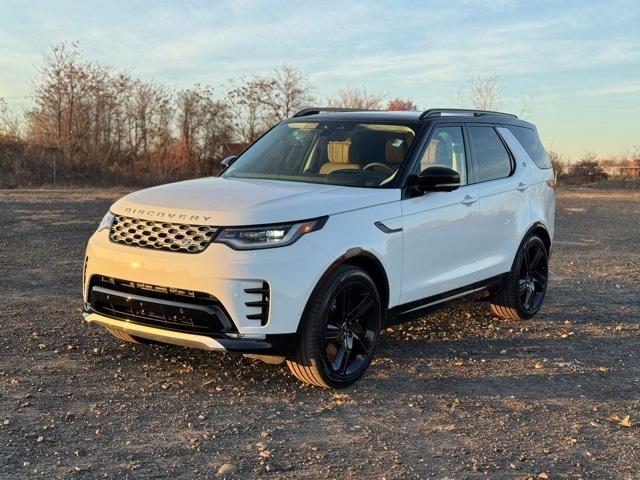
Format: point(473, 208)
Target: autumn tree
point(400, 104)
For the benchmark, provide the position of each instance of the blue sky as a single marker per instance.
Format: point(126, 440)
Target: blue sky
point(575, 63)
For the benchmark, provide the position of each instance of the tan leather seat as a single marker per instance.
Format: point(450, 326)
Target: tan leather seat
point(438, 153)
point(395, 151)
point(338, 155)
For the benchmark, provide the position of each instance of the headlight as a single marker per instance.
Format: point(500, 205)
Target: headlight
point(105, 223)
point(267, 236)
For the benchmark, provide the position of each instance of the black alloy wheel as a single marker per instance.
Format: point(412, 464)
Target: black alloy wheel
point(532, 281)
point(522, 293)
point(351, 327)
point(339, 330)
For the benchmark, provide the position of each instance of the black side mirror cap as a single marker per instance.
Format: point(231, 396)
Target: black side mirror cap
point(226, 163)
point(437, 179)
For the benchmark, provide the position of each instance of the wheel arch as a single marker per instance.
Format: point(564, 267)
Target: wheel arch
point(539, 229)
point(361, 258)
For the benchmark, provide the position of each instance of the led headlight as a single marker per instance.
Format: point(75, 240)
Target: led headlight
point(105, 223)
point(267, 236)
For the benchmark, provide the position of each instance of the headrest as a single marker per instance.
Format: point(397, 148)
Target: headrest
point(338, 152)
point(395, 150)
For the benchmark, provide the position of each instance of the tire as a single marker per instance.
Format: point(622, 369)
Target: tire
point(125, 337)
point(523, 291)
point(335, 348)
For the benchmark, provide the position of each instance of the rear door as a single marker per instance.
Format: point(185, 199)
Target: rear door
point(502, 199)
point(440, 228)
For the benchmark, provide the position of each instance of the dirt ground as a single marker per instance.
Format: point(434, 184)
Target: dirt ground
point(456, 395)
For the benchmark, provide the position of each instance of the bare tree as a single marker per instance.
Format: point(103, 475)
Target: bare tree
point(247, 101)
point(557, 162)
point(205, 127)
point(356, 98)
point(9, 122)
point(288, 92)
point(481, 93)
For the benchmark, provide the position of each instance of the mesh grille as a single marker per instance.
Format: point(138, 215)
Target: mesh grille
point(176, 237)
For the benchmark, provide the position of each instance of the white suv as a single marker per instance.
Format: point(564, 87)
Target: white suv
point(327, 229)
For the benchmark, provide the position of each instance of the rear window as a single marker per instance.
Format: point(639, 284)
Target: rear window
point(529, 140)
point(491, 157)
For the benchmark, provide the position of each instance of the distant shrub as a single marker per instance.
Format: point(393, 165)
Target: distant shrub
point(587, 170)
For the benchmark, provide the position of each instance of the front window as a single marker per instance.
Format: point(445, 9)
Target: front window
point(338, 153)
point(446, 149)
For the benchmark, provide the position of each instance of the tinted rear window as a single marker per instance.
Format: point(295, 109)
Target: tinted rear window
point(529, 140)
point(491, 157)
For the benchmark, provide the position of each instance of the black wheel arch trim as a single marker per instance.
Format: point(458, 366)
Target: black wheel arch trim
point(345, 259)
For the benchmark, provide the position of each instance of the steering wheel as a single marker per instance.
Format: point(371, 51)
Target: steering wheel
point(372, 165)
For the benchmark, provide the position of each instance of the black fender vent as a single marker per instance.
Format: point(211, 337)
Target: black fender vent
point(262, 302)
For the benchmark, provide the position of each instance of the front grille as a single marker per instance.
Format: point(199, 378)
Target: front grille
point(168, 308)
point(176, 237)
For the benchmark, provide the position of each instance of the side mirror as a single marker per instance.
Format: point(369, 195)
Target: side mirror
point(438, 179)
point(226, 163)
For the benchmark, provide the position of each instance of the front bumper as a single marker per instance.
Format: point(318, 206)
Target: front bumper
point(283, 344)
point(231, 276)
point(269, 345)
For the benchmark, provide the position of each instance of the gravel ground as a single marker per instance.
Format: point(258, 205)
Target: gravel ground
point(458, 394)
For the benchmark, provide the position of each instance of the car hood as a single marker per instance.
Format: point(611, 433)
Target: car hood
point(224, 201)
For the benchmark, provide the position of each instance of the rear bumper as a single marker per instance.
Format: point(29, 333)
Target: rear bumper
point(283, 344)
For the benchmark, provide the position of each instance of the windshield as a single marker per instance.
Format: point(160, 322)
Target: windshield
point(337, 153)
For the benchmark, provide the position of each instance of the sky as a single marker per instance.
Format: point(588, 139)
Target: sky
point(575, 64)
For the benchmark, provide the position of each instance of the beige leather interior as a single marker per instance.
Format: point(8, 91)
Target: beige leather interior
point(438, 153)
point(338, 154)
point(395, 151)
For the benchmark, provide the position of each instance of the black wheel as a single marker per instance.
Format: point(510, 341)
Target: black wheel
point(523, 292)
point(339, 330)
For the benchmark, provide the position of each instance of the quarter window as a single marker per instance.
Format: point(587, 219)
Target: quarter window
point(491, 157)
point(528, 138)
point(446, 149)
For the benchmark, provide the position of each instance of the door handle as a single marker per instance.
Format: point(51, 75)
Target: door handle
point(522, 186)
point(469, 200)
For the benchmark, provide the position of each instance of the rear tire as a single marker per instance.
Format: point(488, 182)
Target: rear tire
point(339, 331)
point(522, 293)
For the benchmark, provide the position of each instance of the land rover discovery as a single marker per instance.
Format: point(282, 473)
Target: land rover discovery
point(330, 227)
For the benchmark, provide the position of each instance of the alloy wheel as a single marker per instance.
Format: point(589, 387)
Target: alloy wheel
point(533, 276)
point(351, 328)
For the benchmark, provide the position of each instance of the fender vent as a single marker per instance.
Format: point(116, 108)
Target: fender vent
point(261, 302)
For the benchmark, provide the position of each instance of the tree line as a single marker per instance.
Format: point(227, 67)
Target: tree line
point(93, 124)
point(90, 123)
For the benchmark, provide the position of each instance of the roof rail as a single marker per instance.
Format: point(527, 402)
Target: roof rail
point(315, 110)
point(439, 112)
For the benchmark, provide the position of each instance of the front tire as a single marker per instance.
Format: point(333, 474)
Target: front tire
point(340, 328)
point(523, 292)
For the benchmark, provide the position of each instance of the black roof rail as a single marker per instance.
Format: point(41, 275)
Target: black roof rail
point(438, 112)
point(315, 110)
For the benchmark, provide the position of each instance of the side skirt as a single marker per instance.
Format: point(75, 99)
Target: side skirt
point(419, 308)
